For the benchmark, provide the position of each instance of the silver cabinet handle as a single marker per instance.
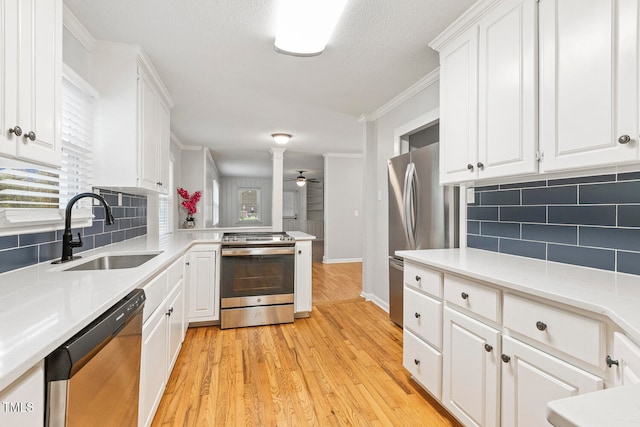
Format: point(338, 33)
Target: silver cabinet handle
point(610, 362)
point(418, 278)
point(480, 165)
point(541, 326)
point(31, 135)
point(624, 139)
point(505, 358)
point(416, 361)
point(417, 315)
point(470, 166)
point(464, 295)
point(17, 130)
point(488, 348)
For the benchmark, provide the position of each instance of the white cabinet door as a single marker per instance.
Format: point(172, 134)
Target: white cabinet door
point(31, 63)
point(589, 82)
point(22, 402)
point(153, 366)
point(459, 108)
point(531, 378)
point(627, 355)
point(470, 372)
point(148, 133)
point(175, 327)
point(203, 298)
point(303, 288)
point(507, 90)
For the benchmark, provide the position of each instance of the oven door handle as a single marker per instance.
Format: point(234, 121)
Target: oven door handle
point(258, 251)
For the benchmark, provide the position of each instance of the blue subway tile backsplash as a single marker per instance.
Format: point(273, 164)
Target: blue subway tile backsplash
point(591, 221)
point(27, 249)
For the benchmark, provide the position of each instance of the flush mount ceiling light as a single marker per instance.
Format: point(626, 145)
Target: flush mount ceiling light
point(304, 26)
point(281, 138)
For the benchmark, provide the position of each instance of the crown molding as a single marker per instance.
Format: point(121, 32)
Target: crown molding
point(346, 155)
point(463, 23)
point(428, 80)
point(75, 27)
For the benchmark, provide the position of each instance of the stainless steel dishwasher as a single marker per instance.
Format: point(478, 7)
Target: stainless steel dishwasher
point(93, 378)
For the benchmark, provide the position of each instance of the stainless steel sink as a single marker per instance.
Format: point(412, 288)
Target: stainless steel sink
point(113, 262)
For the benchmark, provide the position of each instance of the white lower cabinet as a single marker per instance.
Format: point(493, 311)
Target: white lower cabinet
point(22, 402)
point(531, 378)
point(162, 336)
point(201, 269)
point(471, 375)
point(303, 277)
point(626, 357)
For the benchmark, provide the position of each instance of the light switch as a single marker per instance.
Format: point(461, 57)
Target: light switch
point(356, 213)
point(119, 199)
point(471, 195)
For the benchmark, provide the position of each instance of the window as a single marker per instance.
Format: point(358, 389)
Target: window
point(249, 201)
point(216, 203)
point(31, 197)
point(166, 205)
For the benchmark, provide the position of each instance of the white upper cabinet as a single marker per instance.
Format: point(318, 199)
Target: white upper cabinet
point(488, 92)
point(30, 80)
point(132, 126)
point(589, 83)
point(459, 108)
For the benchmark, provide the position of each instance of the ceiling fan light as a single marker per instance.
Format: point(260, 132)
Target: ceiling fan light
point(300, 182)
point(304, 26)
point(281, 138)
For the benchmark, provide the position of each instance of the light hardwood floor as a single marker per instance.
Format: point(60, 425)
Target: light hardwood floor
point(342, 366)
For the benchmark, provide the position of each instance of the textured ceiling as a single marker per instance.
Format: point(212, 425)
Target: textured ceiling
point(232, 90)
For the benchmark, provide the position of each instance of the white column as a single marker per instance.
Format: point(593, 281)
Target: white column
point(278, 180)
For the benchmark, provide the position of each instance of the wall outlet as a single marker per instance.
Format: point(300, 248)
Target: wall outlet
point(471, 195)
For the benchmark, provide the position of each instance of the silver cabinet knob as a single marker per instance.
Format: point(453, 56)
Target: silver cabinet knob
point(30, 135)
point(416, 361)
point(505, 358)
point(541, 326)
point(417, 315)
point(624, 139)
point(418, 278)
point(480, 165)
point(464, 295)
point(470, 166)
point(610, 362)
point(17, 130)
point(488, 348)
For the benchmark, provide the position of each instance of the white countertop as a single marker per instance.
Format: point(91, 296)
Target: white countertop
point(614, 295)
point(42, 306)
point(619, 407)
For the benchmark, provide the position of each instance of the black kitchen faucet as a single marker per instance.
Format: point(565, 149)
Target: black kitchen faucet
point(67, 238)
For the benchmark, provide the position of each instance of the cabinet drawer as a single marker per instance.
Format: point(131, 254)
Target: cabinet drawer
point(423, 362)
point(175, 272)
point(423, 316)
point(155, 291)
point(423, 279)
point(477, 298)
point(568, 332)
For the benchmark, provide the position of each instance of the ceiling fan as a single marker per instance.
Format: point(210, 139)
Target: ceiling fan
point(301, 180)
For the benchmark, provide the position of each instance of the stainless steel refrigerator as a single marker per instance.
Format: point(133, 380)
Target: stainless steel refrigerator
point(422, 214)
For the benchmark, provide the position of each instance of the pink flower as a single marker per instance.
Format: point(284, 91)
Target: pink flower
point(189, 202)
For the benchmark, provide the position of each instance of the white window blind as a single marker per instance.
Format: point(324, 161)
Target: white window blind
point(77, 140)
point(166, 204)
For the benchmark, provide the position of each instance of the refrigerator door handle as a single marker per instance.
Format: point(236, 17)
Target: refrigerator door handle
point(414, 205)
point(410, 204)
point(405, 206)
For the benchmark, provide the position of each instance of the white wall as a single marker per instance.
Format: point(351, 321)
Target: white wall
point(343, 220)
point(299, 224)
point(378, 143)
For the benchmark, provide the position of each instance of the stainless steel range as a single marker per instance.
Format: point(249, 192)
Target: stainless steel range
point(257, 279)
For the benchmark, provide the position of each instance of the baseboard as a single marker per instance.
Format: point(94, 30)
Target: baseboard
point(340, 260)
point(377, 301)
